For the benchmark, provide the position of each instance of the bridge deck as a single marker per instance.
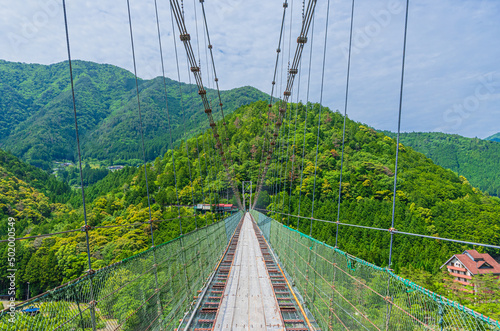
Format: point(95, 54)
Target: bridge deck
point(249, 302)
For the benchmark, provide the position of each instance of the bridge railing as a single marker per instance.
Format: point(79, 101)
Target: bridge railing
point(148, 291)
point(345, 292)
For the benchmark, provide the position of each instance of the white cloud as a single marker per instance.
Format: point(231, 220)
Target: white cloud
point(452, 47)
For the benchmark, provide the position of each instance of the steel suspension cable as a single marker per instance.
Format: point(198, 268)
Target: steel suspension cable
point(399, 129)
point(345, 118)
point(290, 113)
point(185, 38)
point(199, 170)
point(305, 122)
point(293, 147)
point(301, 41)
point(320, 107)
point(144, 150)
point(289, 121)
point(86, 227)
point(216, 79)
point(168, 113)
point(267, 131)
point(207, 175)
point(281, 137)
point(181, 94)
point(140, 116)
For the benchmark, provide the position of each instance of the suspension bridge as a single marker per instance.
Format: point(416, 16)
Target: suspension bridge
point(246, 271)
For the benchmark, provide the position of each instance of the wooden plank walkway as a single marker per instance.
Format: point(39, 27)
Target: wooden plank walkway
point(249, 302)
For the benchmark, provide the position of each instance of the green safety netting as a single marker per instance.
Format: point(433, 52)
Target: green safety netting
point(344, 292)
point(148, 291)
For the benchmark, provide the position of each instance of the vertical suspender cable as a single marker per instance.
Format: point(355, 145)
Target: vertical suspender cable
point(86, 228)
point(399, 130)
point(140, 117)
point(268, 131)
point(301, 41)
point(293, 148)
point(345, 118)
point(216, 79)
point(305, 122)
point(168, 114)
point(389, 306)
point(290, 116)
point(143, 150)
point(320, 109)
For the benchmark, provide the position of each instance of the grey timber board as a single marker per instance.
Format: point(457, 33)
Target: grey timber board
point(249, 302)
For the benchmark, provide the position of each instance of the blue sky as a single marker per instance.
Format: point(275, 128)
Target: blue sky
point(452, 81)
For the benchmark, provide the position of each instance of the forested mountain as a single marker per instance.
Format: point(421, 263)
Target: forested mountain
point(37, 179)
point(477, 160)
point(495, 137)
point(430, 199)
point(36, 112)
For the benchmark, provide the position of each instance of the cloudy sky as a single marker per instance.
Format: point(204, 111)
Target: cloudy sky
point(452, 77)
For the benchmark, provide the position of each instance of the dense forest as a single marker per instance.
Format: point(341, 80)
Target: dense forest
point(430, 200)
point(36, 118)
point(477, 160)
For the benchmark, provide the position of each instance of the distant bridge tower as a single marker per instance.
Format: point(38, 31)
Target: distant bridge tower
point(244, 190)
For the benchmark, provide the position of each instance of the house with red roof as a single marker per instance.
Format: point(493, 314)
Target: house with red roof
point(463, 267)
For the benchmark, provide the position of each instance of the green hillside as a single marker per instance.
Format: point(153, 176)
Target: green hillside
point(495, 137)
point(477, 160)
point(430, 199)
point(36, 116)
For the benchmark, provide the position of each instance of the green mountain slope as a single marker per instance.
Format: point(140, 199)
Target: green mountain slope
point(495, 137)
point(473, 158)
point(36, 114)
point(431, 200)
point(34, 177)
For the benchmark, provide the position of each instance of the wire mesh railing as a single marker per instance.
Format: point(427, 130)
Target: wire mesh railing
point(124, 296)
point(346, 293)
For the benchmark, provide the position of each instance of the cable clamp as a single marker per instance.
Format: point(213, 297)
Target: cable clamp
point(301, 40)
point(282, 110)
point(150, 222)
point(278, 50)
point(185, 37)
point(93, 303)
point(392, 230)
point(86, 228)
point(293, 71)
point(213, 124)
point(287, 93)
point(285, 5)
point(90, 271)
point(208, 111)
point(210, 46)
point(195, 69)
point(202, 92)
